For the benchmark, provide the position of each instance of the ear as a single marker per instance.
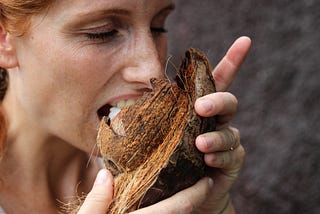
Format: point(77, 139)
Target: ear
point(8, 58)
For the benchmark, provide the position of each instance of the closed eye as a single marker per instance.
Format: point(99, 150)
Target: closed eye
point(103, 35)
point(158, 30)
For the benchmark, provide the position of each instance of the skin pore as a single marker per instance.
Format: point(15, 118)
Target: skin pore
point(77, 57)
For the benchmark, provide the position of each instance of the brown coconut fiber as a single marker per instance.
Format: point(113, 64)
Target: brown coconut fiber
point(150, 146)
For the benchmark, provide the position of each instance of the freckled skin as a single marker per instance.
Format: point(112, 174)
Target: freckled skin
point(76, 57)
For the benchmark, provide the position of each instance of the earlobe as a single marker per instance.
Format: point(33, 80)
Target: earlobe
point(8, 57)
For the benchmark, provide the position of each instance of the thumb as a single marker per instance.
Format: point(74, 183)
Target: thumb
point(99, 198)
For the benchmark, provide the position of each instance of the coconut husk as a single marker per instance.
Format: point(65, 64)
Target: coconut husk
point(150, 146)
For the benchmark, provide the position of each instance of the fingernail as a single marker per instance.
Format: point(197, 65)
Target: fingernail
point(205, 105)
point(203, 143)
point(102, 177)
point(202, 140)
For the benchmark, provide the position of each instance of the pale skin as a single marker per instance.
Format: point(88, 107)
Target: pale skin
point(76, 57)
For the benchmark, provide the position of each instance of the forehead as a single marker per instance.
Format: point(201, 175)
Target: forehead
point(64, 8)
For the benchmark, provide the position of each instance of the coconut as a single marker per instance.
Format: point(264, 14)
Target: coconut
point(150, 146)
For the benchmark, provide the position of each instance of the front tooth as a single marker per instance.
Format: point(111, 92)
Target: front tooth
point(130, 102)
point(113, 112)
point(121, 104)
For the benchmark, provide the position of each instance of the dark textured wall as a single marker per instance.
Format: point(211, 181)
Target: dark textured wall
point(278, 90)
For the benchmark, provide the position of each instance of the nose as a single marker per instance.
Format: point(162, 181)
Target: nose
point(144, 58)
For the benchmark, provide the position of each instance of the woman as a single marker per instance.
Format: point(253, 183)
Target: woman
point(66, 60)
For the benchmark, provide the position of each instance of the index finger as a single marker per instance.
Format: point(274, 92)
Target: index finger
point(225, 71)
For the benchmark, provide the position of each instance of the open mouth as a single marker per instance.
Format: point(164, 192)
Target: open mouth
point(111, 110)
point(104, 111)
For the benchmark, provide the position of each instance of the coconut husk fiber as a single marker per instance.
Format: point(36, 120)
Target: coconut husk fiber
point(150, 146)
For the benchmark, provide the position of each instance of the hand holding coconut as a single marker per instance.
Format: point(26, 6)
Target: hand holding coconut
point(65, 65)
point(223, 153)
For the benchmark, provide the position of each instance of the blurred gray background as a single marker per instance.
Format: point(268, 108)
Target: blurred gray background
point(278, 90)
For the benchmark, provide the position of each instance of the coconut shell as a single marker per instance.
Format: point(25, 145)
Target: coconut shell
point(150, 146)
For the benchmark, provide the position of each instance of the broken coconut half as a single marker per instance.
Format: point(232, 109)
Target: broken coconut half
point(150, 146)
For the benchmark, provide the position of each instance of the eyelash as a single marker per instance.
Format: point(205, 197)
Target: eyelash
point(158, 30)
point(102, 35)
point(112, 33)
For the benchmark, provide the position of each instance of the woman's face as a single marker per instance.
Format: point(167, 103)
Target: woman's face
point(80, 57)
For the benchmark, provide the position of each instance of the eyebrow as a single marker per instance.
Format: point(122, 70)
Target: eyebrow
point(106, 11)
point(123, 12)
point(93, 15)
point(114, 11)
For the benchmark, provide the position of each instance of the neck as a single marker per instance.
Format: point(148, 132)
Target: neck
point(34, 160)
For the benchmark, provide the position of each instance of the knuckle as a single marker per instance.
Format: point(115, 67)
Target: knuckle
point(242, 152)
point(234, 136)
point(234, 99)
point(223, 160)
point(188, 206)
point(236, 132)
point(231, 137)
point(226, 159)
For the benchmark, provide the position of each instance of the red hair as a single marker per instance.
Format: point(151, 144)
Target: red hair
point(15, 18)
point(3, 88)
point(3, 130)
point(15, 14)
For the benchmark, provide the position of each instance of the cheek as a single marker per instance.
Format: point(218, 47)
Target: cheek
point(60, 92)
point(79, 78)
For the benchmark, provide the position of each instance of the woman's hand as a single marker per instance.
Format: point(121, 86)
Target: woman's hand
point(224, 154)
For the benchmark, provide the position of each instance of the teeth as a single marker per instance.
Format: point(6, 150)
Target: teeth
point(130, 102)
point(113, 112)
point(116, 107)
point(123, 103)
